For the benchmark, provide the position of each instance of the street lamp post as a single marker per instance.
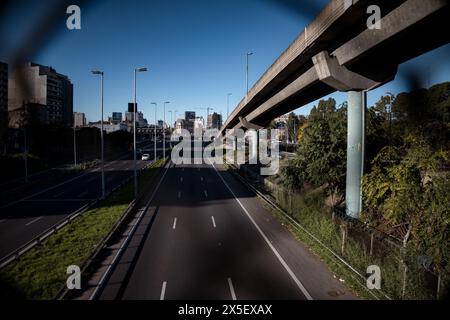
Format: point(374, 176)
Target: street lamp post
point(228, 104)
point(134, 132)
point(154, 140)
point(171, 117)
point(174, 119)
point(164, 129)
point(74, 144)
point(101, 73)
point(170, 124)
point(248, 55)
point(207, 116)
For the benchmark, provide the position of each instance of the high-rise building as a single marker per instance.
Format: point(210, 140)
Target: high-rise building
point(116, 117)
point(47, 90)
point(129, 116)
point(189, 119)
point(214, 121)
point(199, 123)
point(179, 124)
point(3, 96)
point(131, 107)
point(79, 119)
point(141, 122)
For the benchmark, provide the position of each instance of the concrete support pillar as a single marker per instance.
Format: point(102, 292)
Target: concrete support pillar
point(254, 146)
point(355, 151)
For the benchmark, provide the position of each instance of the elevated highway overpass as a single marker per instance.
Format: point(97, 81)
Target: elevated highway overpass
point(338, 52)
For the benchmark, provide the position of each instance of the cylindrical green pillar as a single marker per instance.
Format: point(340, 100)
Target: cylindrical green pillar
point(355, 151)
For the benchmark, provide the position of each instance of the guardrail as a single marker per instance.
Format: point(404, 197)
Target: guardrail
point(100, 286)
point(62, 293)
point(64, 290)
point(299, 227)
point(16, 254)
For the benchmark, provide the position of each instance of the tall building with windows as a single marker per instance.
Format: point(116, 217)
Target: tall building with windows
point(3, 87)
point(3, 103)
point(131, 107)
point(48, 91)
point(199, 124)
point(79, 119)
point(129, 116)
point(116, 117)
point(214, 121)
point(189, 119)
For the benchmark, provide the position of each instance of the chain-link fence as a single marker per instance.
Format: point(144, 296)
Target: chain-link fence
point(405, 274)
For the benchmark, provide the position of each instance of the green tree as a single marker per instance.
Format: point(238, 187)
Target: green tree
point(321, 155)
point(292, 126)
point(412, 191)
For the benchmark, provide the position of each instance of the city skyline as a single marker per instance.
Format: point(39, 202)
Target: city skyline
point(210, 61)
point(114, 186)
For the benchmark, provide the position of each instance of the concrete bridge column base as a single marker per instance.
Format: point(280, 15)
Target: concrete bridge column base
point(254, 147)
point(355, 151)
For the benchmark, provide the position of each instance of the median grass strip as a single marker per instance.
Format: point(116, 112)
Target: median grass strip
point(40, 273)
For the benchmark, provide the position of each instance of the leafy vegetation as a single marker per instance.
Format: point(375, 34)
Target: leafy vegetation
point(407, 182)
point(29, 277)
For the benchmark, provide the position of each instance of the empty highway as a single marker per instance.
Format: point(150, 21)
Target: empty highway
point(206, 236)
point(31, 213)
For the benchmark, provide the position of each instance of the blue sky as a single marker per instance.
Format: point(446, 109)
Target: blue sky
point(195, 52)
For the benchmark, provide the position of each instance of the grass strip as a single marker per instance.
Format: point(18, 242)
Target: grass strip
point(307, 209)
point(40, 273)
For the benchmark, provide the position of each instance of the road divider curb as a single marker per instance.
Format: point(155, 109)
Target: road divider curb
point(140, 214)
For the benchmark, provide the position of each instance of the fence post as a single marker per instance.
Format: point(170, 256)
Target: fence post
point(290, 203)
point(438, 289)
point(405, 267)
point(343, 239)
point(405, 270)
point(371, 245)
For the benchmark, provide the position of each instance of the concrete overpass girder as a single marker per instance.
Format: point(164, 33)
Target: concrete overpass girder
point(339, 77)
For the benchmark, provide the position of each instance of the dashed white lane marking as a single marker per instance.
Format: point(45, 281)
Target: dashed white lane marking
point(179, 194)
point(59, 194)
point(206, 193)
point(127, 239)
point(33, 221)
point(174, 223)
point(201, 178)
point(181, 179)
point(213, 221)
point(59, 200)
point(277, 254)
point(163, 290)
point(230, 284)
point(83, 193)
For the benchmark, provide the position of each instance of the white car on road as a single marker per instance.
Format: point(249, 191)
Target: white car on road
point(145, 157)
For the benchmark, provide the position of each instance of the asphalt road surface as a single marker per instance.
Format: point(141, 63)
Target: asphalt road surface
point(206, 236)
point(27, 216)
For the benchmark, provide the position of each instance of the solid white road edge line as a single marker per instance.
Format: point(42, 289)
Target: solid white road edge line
point(163, 290)
point(277, 254)
point(230, 284)
point(33, 221)
point(125, 243)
